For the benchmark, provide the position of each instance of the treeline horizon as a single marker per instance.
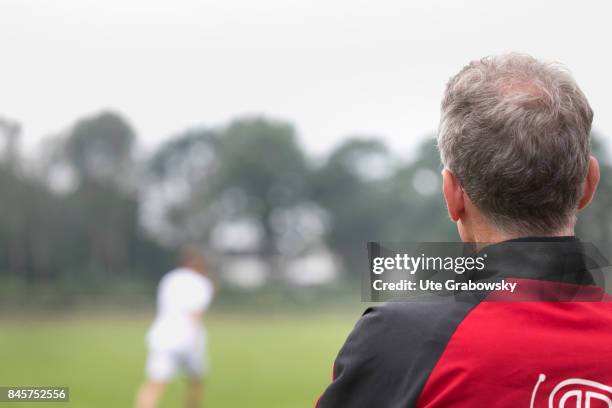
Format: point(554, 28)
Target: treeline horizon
point(85, 210)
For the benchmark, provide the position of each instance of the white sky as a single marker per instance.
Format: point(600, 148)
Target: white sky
point(333, 68)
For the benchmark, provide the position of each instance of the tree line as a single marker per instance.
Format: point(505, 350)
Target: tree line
point(90, 207)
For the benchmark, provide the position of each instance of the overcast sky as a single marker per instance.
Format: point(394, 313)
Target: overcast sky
point(333, 68)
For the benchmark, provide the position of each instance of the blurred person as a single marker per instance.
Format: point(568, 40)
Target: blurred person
point(177, 338)
point(514, 139)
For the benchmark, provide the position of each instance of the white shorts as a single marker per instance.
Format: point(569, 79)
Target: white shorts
point(163, 365)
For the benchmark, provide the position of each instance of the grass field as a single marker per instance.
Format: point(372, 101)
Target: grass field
point(272, 362)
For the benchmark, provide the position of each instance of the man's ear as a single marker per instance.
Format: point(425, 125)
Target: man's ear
point(453, 195)
point(590, 183)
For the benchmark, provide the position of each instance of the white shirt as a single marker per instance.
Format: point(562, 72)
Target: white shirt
point(181, 293)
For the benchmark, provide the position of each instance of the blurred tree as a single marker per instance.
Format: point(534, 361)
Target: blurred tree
point(417, 187)
point(352, 186)
point(595, 222)
point(232, 188)
point(100, 211)
point(26, 212)
point(98, 219)
point(260, 169)
point(10, 132)
point(100, 148)
point(78, 215)
point(175, 172)
point(186, 157)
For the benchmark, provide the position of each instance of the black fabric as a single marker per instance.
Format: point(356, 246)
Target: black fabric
point(558, 259)
point(391, 352)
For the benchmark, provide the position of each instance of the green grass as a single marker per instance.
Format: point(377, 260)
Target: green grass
point(281, 362)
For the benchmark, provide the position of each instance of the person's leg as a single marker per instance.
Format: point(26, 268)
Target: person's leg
point(160, 369)
point(149, 394)
point(196, 367)
point(194, 393)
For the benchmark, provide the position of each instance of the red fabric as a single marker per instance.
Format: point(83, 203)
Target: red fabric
point(502, 350)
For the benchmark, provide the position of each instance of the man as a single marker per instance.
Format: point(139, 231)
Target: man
point(514, 138)
point(177, 338)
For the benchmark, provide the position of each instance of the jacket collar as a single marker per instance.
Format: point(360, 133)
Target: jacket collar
point(559, 259)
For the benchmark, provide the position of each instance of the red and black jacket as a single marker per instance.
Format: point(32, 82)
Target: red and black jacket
point(470, 351)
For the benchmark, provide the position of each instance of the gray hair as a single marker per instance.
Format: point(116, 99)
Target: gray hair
point(516, 134)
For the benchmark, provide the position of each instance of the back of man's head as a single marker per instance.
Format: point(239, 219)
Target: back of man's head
point(192, 257)
point(515, 132)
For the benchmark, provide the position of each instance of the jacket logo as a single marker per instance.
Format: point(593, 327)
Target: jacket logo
point(576, 393)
